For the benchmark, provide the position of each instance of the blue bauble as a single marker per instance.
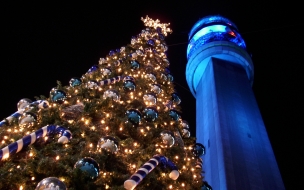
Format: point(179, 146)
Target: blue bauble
point(129, 86)
point(150, 114)
point(57, 96)
point(170, 77)
point(134, 64)
point(161, 37)
point(175, 99)
point(93, 68)
point(51, 183)
point(88, 165)
point(198, 150)
point(167, 70)
point(75, 82)
point(151, 42)
point(134, 116)
point(159, 30)
point(111, 53)
point(174, 115)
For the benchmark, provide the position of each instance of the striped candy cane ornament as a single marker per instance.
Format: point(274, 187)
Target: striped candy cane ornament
point(24, 105)
point(144, 170)
point(109, 81)
point(65, 136)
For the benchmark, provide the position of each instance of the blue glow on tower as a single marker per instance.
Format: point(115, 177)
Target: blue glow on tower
point(219, 74)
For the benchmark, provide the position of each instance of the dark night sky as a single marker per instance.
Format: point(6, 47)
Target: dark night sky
point(45, 43)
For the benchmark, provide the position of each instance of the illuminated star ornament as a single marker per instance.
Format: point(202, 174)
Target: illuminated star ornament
point(149, 22)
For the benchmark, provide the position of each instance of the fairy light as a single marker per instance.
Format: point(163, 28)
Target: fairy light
point(57, 157)
point(176, 157)
point(120, 128)
point(170, 186)
point(194, 176)
point(3, 141)
point(31, 154)
point(54, 105)
point(21, 187)
point(5, 156)
point(76, 91)
point(102, 121)
point(183, 185)
point(133, 166)
point(135, 144)
point(91, 145)
point(18, 166)
point(93, 128)
point(45, 138)
point(126, 150)
point(107, 128)
point(33, 178)
point(107, 186)
point(82, 134)
point(108, 115)
point(86, 122)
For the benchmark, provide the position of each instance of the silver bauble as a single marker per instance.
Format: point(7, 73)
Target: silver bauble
point(113, 94)
point(167, 139)
point(51, 183)
point(108, 144)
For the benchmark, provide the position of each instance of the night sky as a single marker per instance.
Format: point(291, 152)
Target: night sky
point(45, 43)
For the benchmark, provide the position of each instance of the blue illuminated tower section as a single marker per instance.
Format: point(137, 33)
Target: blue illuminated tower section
point(220, 74)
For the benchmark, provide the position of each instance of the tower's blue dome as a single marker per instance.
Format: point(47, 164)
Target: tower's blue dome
point(213, 28)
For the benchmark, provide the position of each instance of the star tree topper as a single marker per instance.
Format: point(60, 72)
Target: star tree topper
point(149, 22)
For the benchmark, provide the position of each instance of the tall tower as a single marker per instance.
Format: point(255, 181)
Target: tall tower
point(228, 121)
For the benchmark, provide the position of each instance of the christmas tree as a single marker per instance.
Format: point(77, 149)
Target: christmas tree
point(119, 126)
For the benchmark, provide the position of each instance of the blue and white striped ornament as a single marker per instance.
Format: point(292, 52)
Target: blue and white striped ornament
point(110, 81)
point(199, 163)
point(24, 105)
point(144, 170)
point(64, 137)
